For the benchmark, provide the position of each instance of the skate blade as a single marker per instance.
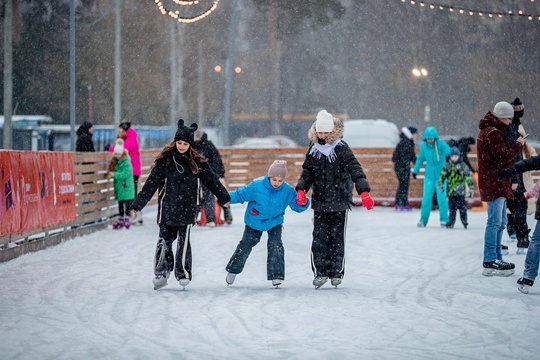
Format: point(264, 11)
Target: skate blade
point(524, 289)
point(160, 285)
point(493, 272)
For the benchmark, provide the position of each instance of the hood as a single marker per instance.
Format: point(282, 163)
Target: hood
point(335, 135)
point(83, 129)
point(489, 120)
point(430, 133)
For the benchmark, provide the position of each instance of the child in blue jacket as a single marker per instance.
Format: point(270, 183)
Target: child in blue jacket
point(267, 198)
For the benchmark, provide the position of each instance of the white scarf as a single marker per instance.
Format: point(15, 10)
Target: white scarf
point(327, 150)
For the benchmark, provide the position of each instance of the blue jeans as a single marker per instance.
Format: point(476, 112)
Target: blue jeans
point(533, 253)
point(496, 223)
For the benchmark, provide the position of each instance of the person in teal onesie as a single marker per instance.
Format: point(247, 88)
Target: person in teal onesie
point(433, 151)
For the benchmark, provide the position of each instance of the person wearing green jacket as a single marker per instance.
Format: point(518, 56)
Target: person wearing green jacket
point(121, 170)
point(434, 152)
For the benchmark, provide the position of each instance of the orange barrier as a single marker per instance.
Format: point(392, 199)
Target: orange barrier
point(38, 190)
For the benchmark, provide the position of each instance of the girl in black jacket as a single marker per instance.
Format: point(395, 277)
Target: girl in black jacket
point(178, 175)
point(330, 168)
point(402, 157)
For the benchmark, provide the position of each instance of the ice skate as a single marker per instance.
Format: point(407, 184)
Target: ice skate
point(498, 268)
point(522, 246)
point(230, 279)
point(504, 249)
point(276, 282)
point(136, 218)
point(227, 215)
point(183, 283)
point(127, 222)
point(211, 224)
point(421, 225)
point(160, 281)
point(118, 224)
point(319, 281)
point(521, 251)
point(335, 282)
point(525, 285)
point(513, 237)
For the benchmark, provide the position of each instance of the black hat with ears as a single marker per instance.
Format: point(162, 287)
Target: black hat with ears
point(125, 125)
point(185, 133)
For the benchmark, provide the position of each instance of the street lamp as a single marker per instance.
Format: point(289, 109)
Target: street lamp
point(423, 73)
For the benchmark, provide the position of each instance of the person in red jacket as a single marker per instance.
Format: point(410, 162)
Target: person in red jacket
point(495, 154)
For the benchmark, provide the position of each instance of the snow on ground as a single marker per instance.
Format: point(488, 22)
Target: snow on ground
point(408, 293)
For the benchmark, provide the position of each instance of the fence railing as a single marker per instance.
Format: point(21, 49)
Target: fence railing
point(95, 203)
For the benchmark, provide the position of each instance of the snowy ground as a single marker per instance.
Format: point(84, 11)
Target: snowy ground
point(408, 293)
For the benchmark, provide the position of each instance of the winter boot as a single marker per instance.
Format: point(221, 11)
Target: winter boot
point(498, 268)
point(127, 222)
point(118, 224)
point(230, 278)
point(320, 281)
point(524, 285)
point(227, 215)
point(160, 280)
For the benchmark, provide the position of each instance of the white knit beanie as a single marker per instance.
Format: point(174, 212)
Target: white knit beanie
point(119, 147)
point(278, 169)
point(503, 110)
point(325, 122)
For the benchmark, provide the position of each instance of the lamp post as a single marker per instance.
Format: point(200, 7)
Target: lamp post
point(423, 73)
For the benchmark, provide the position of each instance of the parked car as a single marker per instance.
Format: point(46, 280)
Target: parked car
point(370, 133)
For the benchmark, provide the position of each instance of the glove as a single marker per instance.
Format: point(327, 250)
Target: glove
point(301, 197)
point(506, 173)
point(414, 175)
point(527, 197)
point(367, 201)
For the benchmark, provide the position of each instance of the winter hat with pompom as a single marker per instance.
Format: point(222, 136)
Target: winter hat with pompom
point(519, 109)
point(278, 169)
point(325, 122)
point(185, 133)
point(119, 147)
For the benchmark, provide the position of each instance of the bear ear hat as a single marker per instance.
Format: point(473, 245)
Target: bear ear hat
point(193, 127)
point(180, 122)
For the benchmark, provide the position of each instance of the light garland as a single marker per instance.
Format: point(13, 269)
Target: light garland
point(472, 12)
point(176, 14)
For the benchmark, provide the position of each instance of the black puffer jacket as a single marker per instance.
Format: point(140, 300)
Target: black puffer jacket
point(179, 189)
point(206, 148)
point(404, 154)
point(84, 138)
point(332, 182)
point(529, 164)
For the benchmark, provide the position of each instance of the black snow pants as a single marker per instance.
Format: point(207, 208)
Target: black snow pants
point(457, 203)
point(328, 246)
point(164, 260)
point(402, 193)
point(517, 217)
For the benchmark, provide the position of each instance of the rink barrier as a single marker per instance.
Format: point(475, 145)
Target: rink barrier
point(95, 193)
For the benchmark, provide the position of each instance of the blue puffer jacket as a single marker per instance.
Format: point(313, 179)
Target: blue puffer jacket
point(433, 154)
point(266, 205)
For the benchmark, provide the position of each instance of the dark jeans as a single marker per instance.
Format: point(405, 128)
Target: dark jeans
point(402, 193)
point(164, 259)
point(124, 207)
point(456, 203)
point(275, 261)
point(328, 246)
point(517, 217)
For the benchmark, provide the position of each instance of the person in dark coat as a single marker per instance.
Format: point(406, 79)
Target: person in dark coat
point(177, 176)
point(464, 146)
point(330, 168)
point(494, 155)
point(517, 226)
point(532, 260)
point(206, 148)
point(402, 157)
point(84, 137)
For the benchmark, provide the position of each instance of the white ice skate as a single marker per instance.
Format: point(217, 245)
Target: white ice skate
point(319, 281)
point(183, 283)
point(335, 282)
point(230, 279)
point(276, 282)
point(160, 280)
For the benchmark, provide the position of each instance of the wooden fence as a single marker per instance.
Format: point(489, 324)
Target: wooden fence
point(95, 193)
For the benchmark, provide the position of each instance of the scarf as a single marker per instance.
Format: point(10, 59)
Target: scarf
point(327, 150)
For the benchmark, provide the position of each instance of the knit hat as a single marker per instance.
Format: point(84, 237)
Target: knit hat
point(412, 129)
point(503, 110)
point(185, 133)
point(325, 122)
point(454, 151)
point(119, 147)
point(406, 130)
point(278, 169)
point(518, 107)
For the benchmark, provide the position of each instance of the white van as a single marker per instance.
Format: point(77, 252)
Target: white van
point(370, 133)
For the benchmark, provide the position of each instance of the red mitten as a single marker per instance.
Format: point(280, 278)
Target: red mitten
point(301, 197)
point(367, 201)
point(527, 197)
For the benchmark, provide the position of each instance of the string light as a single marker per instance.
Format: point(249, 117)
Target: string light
point(176, 14)
point(472, 12)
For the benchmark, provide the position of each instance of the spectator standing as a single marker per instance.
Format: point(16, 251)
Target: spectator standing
point(330, 168)
point(121, 171)
point(403, 157)
point(494, 155)
point(433, 152)
point(84, 137)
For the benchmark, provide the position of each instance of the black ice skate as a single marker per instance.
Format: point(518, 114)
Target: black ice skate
point(524, 285)
point(498, 268)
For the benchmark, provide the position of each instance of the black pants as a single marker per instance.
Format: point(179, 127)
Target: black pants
point(402, 193)
point(136, 182)
point(456, 203)
point(208, 203)
point(517, 217)
point(164, 259)
point(124, 207)
point(328, 246)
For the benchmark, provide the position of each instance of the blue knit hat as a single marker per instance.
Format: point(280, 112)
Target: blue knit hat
point(454, 151)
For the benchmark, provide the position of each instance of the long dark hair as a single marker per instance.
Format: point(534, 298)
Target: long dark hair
point(194, 158)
